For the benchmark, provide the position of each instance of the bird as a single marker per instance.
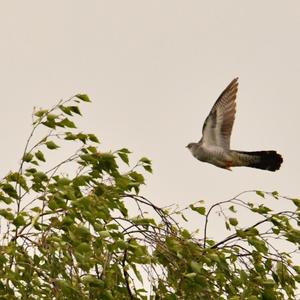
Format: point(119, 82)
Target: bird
point(214, 146)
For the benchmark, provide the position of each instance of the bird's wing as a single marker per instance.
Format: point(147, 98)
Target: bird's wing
point(218, 124)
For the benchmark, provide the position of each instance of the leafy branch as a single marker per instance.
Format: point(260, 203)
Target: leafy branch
point(80, 229)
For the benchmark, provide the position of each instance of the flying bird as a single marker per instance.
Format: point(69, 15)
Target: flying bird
point(214, 146)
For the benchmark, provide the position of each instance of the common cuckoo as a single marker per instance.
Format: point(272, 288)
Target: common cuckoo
point(214, 146)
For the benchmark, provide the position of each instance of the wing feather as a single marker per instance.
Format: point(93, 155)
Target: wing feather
point(218, 124)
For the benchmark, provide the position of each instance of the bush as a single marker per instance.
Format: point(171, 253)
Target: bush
point(68, 233)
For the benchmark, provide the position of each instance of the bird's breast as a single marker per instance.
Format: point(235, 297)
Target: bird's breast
point(210, 154)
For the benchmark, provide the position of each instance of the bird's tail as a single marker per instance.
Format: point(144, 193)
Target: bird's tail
point(265, 160)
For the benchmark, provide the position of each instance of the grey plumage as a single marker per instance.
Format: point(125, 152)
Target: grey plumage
point(214, 146)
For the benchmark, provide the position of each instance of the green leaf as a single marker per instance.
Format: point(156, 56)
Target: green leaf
point(200, 209)
point(137, 273)
point(68, 290)
point(10, 190)
point(261, 209)
point(40, 176)
point(70, 136)
point(251, 231)
point(296, 202)
point(145, 160)
point(93, 138)
point(104, 234)
point(124, 157)
point(269, 283)
point(148, 168)
point(173, 244)
point(28, 157)
point(67, 221)
point(88, 158)
point(282, 272)
point(36, 209)
point(92, 149)
point(6, 200)
point(81, 180)
point(196, 267)
point(22, 182)
point(297, 269)
point(70, 109)
point(51, 145)
point(275, 194)
point(124, 150)
point(186, 234)
point(112, 227)
point(92, 281)
point(40, 113)
point(143, 221)
point(232, 208)
point(190, 275)
point(19, 221)
point(82, 137)
point(137, 177)
point(241, 233)
point(66, 110)
point(227, 226)
point(40, 156)
point(6, 214)
point(184, 217)
point(50, 124)
point(51, 117)
point(17, 177)
point(276, 230)
point(83, 248)
point(66, 123)
point(62, 181)
point(233, 221)
point(75, 109)
point(258, 244)
point(146, 163)
point(83, 97)
point(210, 242)
point(260, 193)
point(31, 171)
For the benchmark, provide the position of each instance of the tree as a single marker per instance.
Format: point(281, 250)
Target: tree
point(69, 230)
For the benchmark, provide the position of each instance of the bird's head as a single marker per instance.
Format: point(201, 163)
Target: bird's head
point(191, 146)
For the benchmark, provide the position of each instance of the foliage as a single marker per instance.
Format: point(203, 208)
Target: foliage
point(79, 229)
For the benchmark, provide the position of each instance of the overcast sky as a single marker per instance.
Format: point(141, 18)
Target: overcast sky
point(153, 70)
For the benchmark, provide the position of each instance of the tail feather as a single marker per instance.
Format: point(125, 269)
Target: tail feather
point(265, 160)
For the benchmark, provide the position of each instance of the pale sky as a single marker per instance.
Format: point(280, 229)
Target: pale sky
point(153, 70)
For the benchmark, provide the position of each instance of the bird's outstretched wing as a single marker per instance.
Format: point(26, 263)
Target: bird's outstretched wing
point(218, 124)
